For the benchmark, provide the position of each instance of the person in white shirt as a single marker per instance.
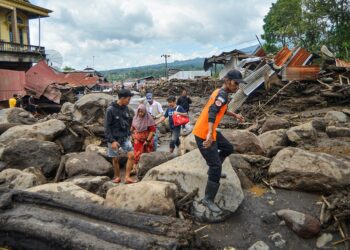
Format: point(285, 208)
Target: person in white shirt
point(156, 110)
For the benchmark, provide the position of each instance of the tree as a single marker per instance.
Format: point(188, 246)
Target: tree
point(67, 68)
point(310, 24)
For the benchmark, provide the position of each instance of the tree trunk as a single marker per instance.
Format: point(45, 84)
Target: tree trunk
point(43, 221)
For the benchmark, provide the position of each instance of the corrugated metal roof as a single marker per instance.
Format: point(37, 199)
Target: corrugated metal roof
point(39, 77)
point(11, 82)
point(299, 58)
point(255, 79)
point(282, 57)
point(78, 79)
point(300, 73)
point(342, 64)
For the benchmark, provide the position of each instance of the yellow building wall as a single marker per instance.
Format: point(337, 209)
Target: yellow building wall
point(5, 25)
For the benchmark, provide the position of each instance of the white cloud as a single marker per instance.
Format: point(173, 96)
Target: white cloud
point(124, 33)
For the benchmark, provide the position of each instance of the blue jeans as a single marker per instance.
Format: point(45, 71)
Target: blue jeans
point(175, 135)
point(212, 156)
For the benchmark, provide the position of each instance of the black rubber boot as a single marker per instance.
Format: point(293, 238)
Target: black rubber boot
point(210, 192)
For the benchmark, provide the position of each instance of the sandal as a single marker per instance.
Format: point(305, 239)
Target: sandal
point(130, 181)
point(116, 180)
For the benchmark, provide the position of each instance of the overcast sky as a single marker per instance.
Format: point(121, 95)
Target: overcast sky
point(126, 33)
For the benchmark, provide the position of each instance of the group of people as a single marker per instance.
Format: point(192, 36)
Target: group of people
point(142, 128)
point(26, 102)
point(139, 134)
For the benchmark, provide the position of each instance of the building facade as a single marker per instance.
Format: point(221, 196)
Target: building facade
point(16, 50)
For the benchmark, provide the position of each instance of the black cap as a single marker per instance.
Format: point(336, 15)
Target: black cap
point(235, 75)
point(124, 93)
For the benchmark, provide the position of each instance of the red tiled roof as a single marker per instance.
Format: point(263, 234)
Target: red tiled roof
point(11, 82)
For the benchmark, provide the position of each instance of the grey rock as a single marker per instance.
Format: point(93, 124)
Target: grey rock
point(24, 153)
point(333, 131)
point(151, 160)
point(152, 197)
point(302, 133)
point(294, 168)
point(91, 108)
point(69, 142)
point(44, 131)
point(16, 179)
point(278, 241)
point(274, 123)
point(336, 116)
point(244, 142)
point(304, 225)
point(259, 245)
point(323, 240)
point(189, 173)
point(16, 115)
point(274, 138)
point(103, 151)
point(93, 184)
point(67, 108)
point(88, 163)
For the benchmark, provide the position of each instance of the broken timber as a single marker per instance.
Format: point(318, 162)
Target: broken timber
point(76, 224)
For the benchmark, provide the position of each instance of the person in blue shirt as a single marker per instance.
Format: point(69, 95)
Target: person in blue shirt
point(173, 109)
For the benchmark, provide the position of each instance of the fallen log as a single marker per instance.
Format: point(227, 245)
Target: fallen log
point(46, 221)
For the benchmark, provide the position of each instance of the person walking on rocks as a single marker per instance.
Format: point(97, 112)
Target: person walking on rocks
point(155, 109)
point(213, 146)
point(172, 110)
point(143, 128)
point(185, 102)
point(117, 131)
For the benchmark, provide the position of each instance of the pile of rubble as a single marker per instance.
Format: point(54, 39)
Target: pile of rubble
point(198, 87)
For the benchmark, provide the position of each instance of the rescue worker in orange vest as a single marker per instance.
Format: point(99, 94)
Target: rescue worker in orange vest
point(213, 146)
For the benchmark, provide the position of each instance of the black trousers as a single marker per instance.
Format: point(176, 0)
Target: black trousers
point(215, 155)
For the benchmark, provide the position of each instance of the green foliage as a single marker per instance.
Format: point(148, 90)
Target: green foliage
point(67, 68)
point(310, 24)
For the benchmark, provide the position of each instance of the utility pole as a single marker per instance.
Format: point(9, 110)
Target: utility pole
point(166, 64)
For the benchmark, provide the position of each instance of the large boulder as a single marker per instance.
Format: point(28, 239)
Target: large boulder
point(24, 153)
point(302, 133)
point(244, 142)
point(16, 179)
point(69, 142)
point(333, 131)
point(153, 159)
point(103, 151)
point(274, 123)
point(88, 163)
point(274, 138)
point(44, 131)
point(304, 225)
point(16, 115)
point(92, 107)
point(294, 168)
point(188, 144)
point(154, 197)
point(335, 117)
point(189, 173)
point(93, 184)
point(69, 189)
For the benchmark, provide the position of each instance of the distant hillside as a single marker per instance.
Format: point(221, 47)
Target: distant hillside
point(156, 70)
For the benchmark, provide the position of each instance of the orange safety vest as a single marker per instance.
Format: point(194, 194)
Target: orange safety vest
point(202, 125)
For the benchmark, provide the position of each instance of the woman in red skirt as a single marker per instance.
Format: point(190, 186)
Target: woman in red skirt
point(143, 128)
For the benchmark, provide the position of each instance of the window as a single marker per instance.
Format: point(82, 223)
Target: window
point(19, 19)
